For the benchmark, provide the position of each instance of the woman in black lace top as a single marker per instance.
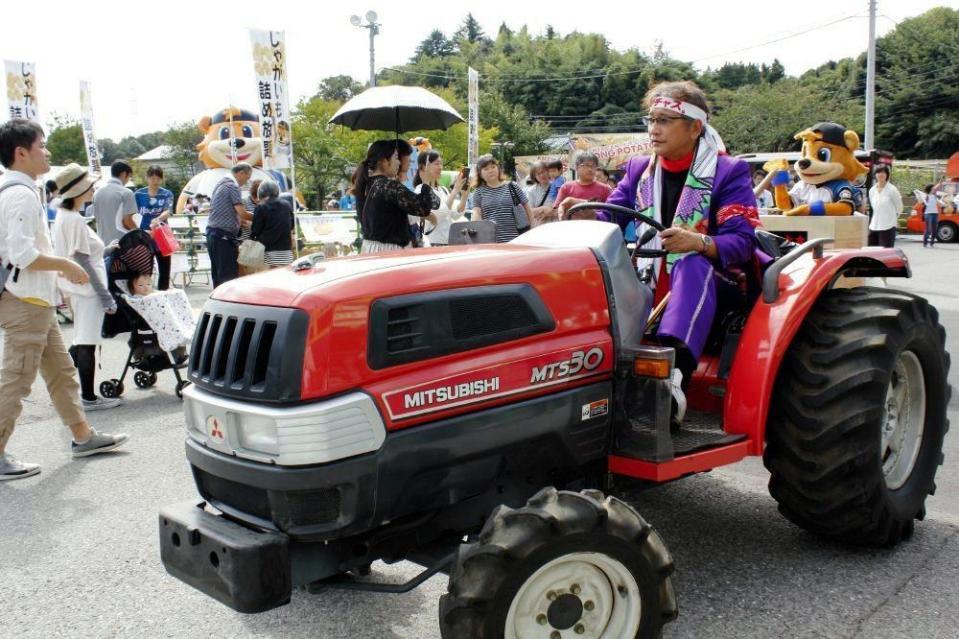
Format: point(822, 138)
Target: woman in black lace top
point(383, 202)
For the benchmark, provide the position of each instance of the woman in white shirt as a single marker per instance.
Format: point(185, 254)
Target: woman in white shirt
point(429, 168)
point(886, 203)
point(74, 239)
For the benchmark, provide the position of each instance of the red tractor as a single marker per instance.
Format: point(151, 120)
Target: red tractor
point(470, 409)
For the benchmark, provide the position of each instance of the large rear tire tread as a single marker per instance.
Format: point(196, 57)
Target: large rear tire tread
point(483, 573)
point(823, 435)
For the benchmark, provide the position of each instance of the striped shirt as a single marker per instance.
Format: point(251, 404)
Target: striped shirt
point(226, 194)
point(497, 205)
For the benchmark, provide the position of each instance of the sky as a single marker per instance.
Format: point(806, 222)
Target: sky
point(153, 64)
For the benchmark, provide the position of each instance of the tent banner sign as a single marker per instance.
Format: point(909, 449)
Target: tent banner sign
point(269, 63)
point(89, 133)
point(21, 89)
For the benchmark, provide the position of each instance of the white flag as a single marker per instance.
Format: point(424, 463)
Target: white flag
point(269, 64)
point(472, 148)
point(89, 133)
point(21, 89)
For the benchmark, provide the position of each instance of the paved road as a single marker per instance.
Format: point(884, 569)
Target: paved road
point(79, 557)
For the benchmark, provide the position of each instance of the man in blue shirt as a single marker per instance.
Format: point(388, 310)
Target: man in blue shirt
point(347, 202)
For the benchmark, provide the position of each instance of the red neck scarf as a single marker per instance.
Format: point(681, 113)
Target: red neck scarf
point(677, 166)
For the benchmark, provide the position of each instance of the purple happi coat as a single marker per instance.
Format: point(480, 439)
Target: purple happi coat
point(693, 281)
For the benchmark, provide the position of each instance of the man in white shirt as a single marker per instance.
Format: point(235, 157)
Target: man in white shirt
point(886, 203)
point(32, 341)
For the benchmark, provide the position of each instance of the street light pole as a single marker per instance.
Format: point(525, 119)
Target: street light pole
point(374, 28)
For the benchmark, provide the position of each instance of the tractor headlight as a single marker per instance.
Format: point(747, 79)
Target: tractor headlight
point(258, 433)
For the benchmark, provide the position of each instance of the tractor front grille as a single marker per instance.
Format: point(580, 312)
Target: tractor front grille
point(249, 352)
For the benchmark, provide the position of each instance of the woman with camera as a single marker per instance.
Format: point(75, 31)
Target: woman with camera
point(430, 167)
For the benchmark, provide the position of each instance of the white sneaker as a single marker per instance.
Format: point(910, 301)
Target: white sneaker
point(101, 403)
point(10, 468)
point(676, 388)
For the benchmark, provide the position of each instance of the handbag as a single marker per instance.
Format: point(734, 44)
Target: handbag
point(165, 240)
point(519, 211)
point(251, 253)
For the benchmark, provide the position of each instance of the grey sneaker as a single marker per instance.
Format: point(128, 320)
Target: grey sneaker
point(10, 468)
point(100, 403)
point(98, 443)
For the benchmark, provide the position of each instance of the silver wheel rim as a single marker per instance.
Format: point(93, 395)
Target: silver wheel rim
point(604, 587)
point(904, 420)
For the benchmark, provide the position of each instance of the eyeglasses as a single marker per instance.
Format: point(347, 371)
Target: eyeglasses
point(661, 120)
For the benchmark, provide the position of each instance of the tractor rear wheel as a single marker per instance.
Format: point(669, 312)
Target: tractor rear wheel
point(855, 432)
point(565, 565)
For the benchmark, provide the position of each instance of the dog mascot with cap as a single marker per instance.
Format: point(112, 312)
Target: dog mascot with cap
point(230, 136)
point(827, 169)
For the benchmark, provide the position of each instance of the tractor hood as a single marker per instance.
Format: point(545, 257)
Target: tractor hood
point(284, 287)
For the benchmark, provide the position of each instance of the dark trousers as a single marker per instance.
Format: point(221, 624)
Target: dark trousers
point(886, 239)
point(932, 225)
point(221, 245)
point(163, 266)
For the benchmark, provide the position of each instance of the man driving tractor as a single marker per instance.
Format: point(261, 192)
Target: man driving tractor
point(705, 200)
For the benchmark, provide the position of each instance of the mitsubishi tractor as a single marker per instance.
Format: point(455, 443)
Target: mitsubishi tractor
point(475, 410)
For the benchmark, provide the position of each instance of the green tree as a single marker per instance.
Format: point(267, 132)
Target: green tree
point(65, 142)
point(470, 30)
point(182, 138)
point(324, 155)
point(338, 87)
point(764, 117)
point(436, 45)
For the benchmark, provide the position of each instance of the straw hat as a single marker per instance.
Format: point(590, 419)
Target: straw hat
point(73, 180)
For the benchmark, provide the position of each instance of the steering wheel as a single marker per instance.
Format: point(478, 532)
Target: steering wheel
point(616, 208)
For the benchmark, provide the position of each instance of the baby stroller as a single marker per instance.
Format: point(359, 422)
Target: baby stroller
point(134, 257)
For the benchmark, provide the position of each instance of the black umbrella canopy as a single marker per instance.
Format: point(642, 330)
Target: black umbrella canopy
point(398, 109)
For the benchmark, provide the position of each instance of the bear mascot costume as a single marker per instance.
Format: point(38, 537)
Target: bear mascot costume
point(229, 133)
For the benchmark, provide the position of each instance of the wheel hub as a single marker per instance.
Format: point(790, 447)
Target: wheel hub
point(904, 420)
point(565, 611)
point(577, 596)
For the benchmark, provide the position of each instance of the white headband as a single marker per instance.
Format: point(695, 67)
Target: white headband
point(684, 108)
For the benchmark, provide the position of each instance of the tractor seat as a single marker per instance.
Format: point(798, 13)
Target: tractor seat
point(773, 245)
point(633, 299)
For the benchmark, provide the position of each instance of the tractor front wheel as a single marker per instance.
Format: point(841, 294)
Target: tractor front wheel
point(855, 432)
point(565, 565)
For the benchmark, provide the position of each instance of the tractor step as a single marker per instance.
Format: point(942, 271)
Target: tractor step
point(701, 431)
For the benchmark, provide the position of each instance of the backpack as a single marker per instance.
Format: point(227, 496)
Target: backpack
point(7, 269)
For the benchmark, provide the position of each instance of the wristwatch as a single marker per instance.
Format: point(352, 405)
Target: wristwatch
point(707, 242)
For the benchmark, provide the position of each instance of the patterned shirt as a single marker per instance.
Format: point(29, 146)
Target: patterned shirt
point(150, 206)
point(226, 194)
point(497, 205)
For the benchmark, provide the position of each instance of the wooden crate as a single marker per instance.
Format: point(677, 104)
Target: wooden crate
point(848, 231)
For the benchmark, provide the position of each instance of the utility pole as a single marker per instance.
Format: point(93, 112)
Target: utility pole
point(871, 79)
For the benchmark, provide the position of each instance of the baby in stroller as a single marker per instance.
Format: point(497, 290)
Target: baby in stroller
point(160, 324)
point(167, 312)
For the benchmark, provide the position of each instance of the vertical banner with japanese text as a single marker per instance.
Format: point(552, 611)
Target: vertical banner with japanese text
point(89, 133)
point(472, 144)
point(21, 89)
point(269, 63)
